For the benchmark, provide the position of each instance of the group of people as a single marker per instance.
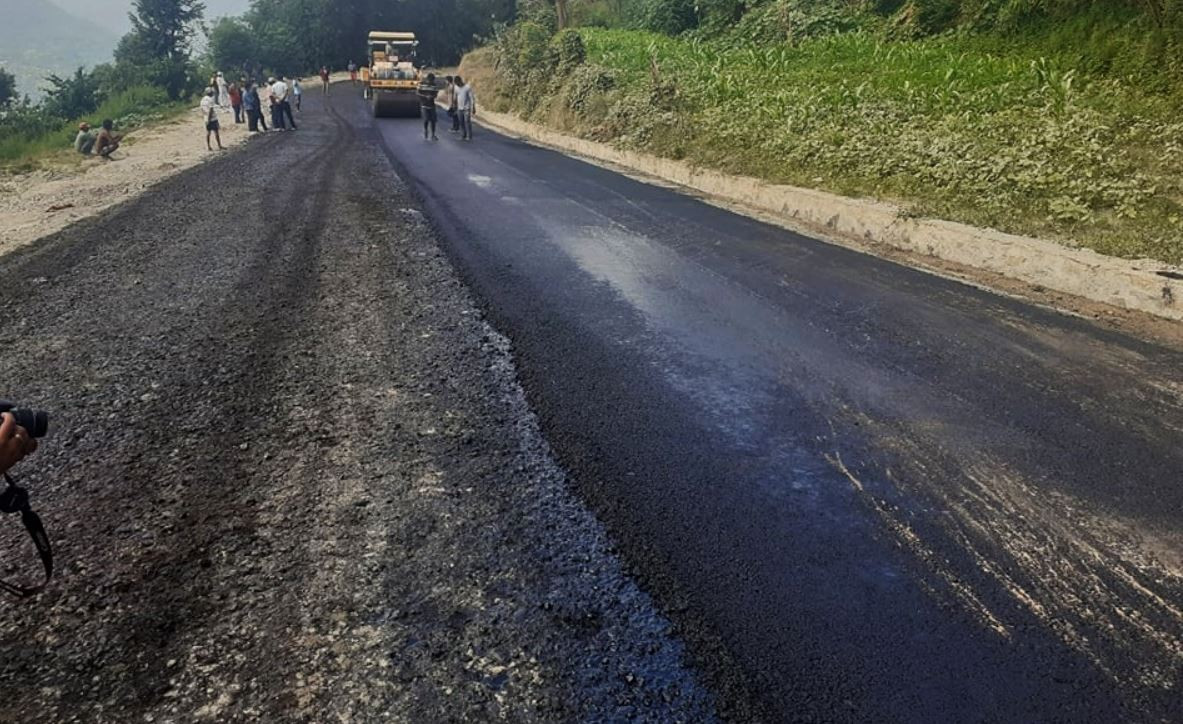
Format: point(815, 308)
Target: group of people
point(461, 105)
point(101, 144)
point(245, 100)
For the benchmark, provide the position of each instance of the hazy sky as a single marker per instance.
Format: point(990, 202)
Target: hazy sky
point(112, 14)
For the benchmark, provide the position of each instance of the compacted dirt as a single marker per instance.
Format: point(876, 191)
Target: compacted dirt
point(292, 476)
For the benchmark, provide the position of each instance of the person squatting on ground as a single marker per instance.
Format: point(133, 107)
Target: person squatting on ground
point(15, 442)
point(427, 93)
point(235, 93)
point(84, 141)
point(209, 110)
point(107, 142)
point(466, 107)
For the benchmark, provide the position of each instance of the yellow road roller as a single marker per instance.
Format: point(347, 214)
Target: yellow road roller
point(392, 80)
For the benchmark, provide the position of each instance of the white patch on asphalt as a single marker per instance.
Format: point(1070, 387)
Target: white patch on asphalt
point(482, 181)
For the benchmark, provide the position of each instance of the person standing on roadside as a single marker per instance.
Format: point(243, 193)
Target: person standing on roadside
point(453, 110)
point(235, 93)
point(466, 107)
point(285, 102)
point(427, 93)
point(324, 78)
point(254, 108)
point(353, 72)
point(209, 110)
point(223, 91)
point(297, 92)
point(276, 90)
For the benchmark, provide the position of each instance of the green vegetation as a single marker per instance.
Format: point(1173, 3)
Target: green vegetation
point(299, 36)
point(1057, 118)
point(128, 108)
point(153, 76)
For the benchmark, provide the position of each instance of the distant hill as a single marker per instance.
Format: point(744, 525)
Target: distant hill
point(112, 14)
point(38, 38)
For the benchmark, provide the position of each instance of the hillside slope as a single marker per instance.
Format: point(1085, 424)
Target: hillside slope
point(38, 38)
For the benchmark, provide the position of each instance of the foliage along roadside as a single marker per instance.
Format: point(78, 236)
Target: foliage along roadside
point(129, 109)
point(153, 75)
point(1052, 132)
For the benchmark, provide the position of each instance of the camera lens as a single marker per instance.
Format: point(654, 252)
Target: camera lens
point(35, 422)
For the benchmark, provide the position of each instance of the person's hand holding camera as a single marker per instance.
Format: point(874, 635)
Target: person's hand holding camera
point(15, 442)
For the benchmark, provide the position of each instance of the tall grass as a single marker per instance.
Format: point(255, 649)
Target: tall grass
point(128, 109)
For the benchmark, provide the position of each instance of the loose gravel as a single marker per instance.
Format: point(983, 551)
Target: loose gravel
point(293, 476)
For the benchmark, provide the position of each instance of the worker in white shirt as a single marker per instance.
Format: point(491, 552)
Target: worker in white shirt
point(222, 89)
point(276, 90)
point(286, 104)
point(209, 111)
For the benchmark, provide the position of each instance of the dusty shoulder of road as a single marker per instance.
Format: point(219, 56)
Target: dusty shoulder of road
point(36, 203)
point(294, 477)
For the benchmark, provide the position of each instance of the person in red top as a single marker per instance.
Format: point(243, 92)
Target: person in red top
point(324, 78)
point(235, 94)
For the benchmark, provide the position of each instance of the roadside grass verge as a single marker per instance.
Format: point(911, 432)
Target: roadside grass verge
point(1066, 132)
point(25, 149)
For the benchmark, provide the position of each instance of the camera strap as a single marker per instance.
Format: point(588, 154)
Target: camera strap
point(15, 499)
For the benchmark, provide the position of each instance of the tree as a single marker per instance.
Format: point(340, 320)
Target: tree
point(159, 46)
point(7, 88)
point(74, 95)
point(232, 44)
point(164, 27)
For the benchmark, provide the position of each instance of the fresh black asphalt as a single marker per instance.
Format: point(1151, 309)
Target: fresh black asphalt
point(862, 492)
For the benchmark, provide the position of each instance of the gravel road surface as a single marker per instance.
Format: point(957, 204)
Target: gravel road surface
point(864, 493)
point(293, 476)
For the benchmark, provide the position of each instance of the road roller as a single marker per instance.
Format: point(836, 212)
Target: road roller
point(392, 79)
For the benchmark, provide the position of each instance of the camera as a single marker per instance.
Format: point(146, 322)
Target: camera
point(36, 422)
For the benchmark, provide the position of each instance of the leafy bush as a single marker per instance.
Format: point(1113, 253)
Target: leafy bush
point(586, 84)
point(797, 20)
point(567, 51)
point(670, 17)
point(74, 95)
point(917, 18)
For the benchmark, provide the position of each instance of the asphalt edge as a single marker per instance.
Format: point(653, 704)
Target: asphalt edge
point(1140, 285)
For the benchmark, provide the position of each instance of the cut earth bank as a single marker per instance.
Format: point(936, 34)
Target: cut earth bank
point(1040, 270)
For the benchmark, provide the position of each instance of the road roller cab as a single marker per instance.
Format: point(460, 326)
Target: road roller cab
point(392, 78)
